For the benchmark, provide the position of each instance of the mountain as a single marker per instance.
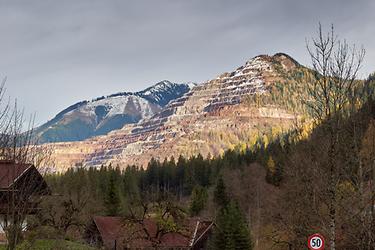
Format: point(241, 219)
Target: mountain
point(163, 92)
point(212, 117)
point(98, 117)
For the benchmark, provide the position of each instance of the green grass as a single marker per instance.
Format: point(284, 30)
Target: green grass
point(51, 245)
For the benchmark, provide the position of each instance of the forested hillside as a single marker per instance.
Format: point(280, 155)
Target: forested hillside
point(275, 190)
point(270, 193)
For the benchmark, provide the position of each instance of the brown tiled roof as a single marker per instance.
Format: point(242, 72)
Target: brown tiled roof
point(116, 228)
point(109, 227)
point(174, 240)
point(10, 172)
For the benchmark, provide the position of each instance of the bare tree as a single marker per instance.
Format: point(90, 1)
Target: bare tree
point(23, 184)
point(335, 66)
point(167, 216)
point(63, 213)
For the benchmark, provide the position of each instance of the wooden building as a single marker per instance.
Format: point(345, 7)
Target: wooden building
point(21, 187)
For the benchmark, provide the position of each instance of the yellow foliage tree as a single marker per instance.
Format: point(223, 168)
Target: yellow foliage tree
point(271, 166)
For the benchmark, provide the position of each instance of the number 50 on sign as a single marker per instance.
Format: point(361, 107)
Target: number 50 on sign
point(316, 242)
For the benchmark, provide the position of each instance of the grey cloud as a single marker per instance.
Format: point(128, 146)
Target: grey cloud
point(58, 52)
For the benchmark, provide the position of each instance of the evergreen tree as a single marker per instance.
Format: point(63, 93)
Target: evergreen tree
point(189, 181)
point(231, 232)
point(198, 200)
point(112, 199)
point(220, 196)
point(130, 184)
point(180, 175)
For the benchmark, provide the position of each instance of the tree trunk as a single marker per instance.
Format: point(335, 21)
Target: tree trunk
point(332, 217)
point(372, 226)
point(362, 206)
point(332, 189)
point(258, 217)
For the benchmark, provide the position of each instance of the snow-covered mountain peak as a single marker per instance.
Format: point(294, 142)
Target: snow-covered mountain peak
point(163, 92)
point(104, 114)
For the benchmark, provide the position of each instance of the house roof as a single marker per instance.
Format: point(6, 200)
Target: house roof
point(117, 229)
point(109, 227)
point(144, 234)
point(10, 172)
point(174, 240)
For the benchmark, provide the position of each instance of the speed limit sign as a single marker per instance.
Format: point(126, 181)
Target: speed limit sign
point(316, 242)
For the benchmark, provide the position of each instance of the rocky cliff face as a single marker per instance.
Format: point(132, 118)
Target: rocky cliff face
point(104, 114)
point(211, 117)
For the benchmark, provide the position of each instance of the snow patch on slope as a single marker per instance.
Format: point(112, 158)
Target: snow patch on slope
point(117, 105)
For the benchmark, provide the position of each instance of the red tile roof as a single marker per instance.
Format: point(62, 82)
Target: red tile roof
point(143, 234)
point(174, 240)
point(109, 227)
point(117, 229)
point(10, 172)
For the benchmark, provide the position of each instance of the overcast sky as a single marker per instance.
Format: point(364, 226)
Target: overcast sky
point(56, 53)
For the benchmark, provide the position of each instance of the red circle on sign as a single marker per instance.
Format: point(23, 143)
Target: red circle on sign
point(316, 242)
